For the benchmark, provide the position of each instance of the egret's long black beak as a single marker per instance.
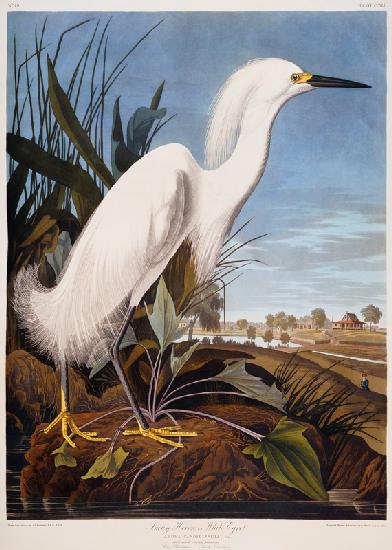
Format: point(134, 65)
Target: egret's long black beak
point(332, 82)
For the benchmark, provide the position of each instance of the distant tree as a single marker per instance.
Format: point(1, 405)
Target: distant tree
point(280, 321)
point(242, 324)
point(207, 311)
point(269, 320)
point(284, 338)
point(371, 314)
point(268, 337)
point(251, 332)
point(318, 317)
point(291, 321)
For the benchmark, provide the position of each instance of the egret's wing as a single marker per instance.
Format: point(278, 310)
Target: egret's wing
point(123, 249)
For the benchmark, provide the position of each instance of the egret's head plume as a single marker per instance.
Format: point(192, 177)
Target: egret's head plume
point(261, 83)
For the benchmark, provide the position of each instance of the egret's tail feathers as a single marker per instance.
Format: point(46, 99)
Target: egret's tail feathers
point(48, 315)
point(27, 289)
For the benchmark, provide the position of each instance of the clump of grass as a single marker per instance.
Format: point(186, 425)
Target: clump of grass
point(323, 403)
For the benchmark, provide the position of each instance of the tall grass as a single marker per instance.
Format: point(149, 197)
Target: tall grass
point(325, 403)
point(32, 112)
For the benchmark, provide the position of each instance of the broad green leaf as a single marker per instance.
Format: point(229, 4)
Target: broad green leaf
point(107, 465)
point(176, 363)
point(236, 375)
point(290, 460)
point(163, 319)
point(68, 121)
point(63, 456)
point(139, 126)
point(62, 171)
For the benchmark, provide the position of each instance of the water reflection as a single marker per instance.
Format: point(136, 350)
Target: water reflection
point(241, 340)
point(342, 504)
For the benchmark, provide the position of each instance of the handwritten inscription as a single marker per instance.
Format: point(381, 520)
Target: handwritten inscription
point(213, 535)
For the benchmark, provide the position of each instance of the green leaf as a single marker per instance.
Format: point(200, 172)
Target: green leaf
point(129, 338)
point(290, 460)
point(63, 456)
point(121, 157)
point(15, 187)
point(98, 358)
point(68, 121)
point(157, 97)
point(57, 258)
point(163, 319)
point(139, 126)
point(236, 375)
point(62, 171)
point(176, 363)
point(84, 208)
point(107, 465)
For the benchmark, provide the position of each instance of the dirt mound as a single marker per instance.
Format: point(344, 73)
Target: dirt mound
point(211, 466)
point(33, 393)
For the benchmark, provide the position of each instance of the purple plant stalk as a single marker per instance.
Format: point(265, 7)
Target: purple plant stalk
point(152, 384)
point(166, 394)
point(246, 431)
point(152, 463)
point(165, 403)
point(119, 430)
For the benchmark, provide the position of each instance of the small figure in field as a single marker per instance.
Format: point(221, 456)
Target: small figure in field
point(364, 382)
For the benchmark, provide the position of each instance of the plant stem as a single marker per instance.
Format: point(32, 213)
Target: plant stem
point(118, 431)
point(166, 394)
point(151, 385)
point(169, 452)
point(218, 419)
point(157, 373)
point(202, 393)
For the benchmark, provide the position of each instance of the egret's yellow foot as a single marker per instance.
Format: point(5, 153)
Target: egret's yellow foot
point(156, 433)
point(68, 422)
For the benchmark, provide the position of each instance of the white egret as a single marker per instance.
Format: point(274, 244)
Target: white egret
point(163, 199)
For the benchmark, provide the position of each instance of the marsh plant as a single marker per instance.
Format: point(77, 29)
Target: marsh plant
point(287, 455)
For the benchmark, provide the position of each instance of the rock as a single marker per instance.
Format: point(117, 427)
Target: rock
point(211, 466)
point(33, 393)
point(348, 461)
point(373, 484)
point(14, 425)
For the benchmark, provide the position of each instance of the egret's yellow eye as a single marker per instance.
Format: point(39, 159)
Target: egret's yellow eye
point(295, 78)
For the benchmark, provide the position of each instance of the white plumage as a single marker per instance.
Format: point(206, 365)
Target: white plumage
point(163, 199)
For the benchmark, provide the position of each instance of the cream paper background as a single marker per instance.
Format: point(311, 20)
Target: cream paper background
point(141, 534)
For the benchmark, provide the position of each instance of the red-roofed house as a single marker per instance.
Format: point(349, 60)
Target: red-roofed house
point(349, 321)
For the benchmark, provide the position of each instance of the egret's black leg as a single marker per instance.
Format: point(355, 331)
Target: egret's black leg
point(158, 434)
point(120, 373)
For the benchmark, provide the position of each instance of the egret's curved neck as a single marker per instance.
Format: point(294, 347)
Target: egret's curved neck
point(240, 174)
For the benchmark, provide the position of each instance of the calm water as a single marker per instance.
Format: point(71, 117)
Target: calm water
point(340, 507)
point(241, 339)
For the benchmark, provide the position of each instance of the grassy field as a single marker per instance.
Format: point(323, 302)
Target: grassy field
point(360, 336)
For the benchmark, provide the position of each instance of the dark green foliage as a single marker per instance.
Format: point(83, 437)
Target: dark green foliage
point(139, 127)
point(37, 159)
point(122, 157)
point(318, 400)
point(289, 459)
point(70, 124)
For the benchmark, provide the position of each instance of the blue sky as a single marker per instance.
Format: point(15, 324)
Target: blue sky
point(322, 197)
